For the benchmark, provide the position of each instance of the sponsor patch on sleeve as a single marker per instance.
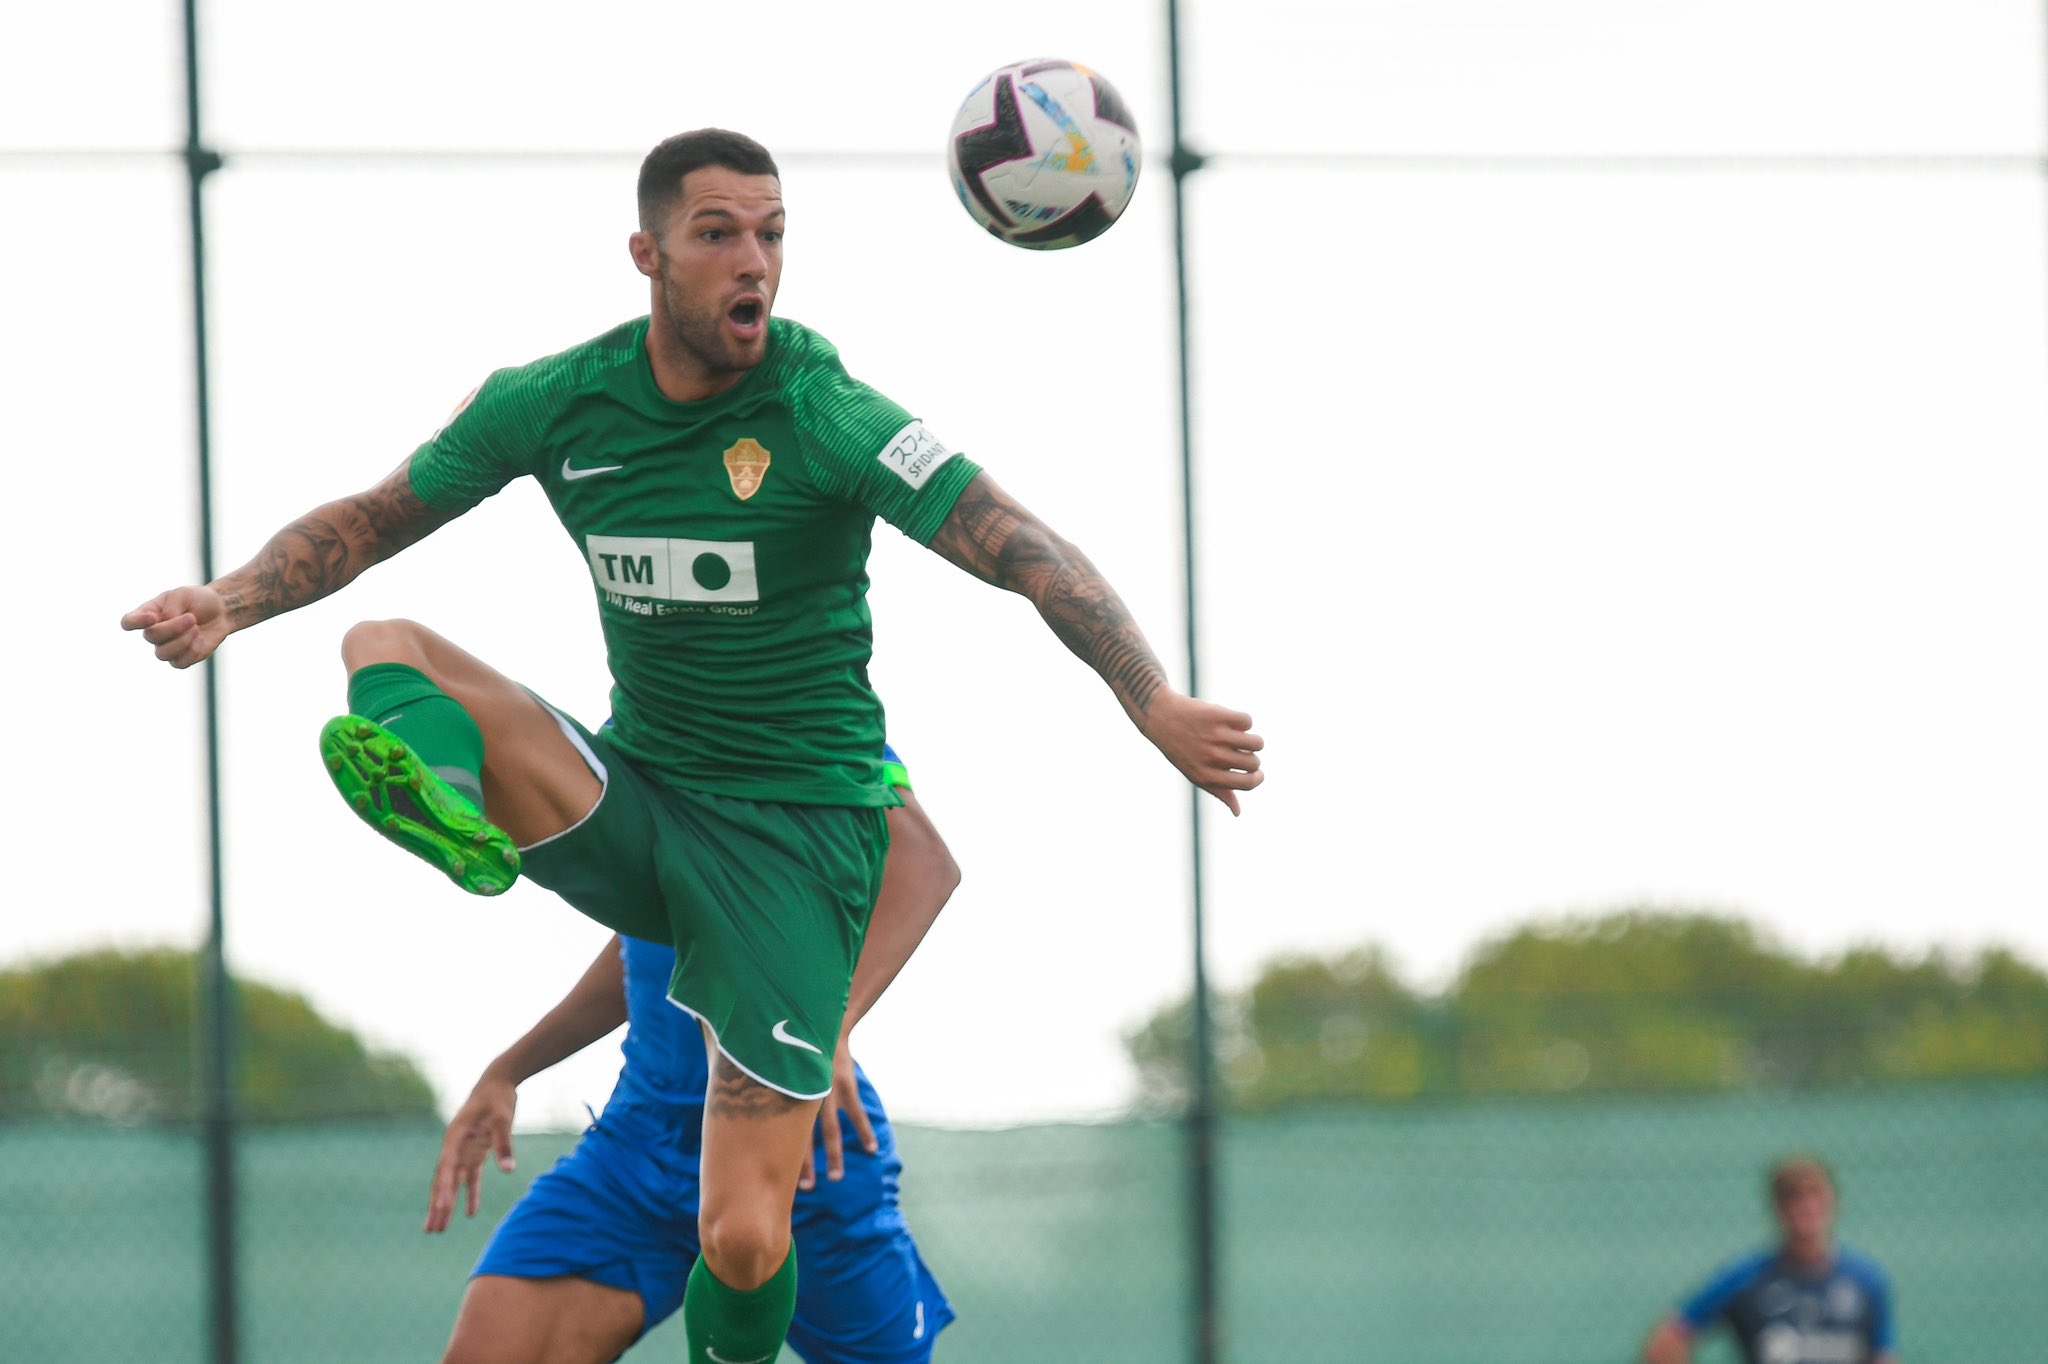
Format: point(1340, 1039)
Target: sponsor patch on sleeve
point(913, 453)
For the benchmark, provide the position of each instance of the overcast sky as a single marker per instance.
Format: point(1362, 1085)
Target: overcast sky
point(1578, 534)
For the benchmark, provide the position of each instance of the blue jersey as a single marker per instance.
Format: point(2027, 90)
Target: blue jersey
point(1784, 1313)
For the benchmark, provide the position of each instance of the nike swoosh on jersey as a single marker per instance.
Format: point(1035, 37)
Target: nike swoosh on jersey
point(718, 1358)
point(568, 472)
point(780, 1032)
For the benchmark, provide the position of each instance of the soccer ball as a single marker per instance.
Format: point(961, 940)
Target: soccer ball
point(1044, 154)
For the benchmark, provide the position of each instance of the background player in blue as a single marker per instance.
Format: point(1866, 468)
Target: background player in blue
point(1802, 1301)
point(597, 1252)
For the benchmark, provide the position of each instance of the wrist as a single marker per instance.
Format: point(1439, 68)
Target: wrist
point(503, 1071)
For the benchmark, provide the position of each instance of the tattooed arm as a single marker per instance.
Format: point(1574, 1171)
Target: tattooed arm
point(993, 537)
point(315, 556)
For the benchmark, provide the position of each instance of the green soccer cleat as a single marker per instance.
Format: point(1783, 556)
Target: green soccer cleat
point(400, 797)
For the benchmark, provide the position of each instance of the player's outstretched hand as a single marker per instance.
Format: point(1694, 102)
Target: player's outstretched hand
point(1212, 745)
point(482, 1124)
point(186, 624)
point(844, 1098)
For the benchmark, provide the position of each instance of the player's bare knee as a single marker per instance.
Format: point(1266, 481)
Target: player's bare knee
point(917, 844)
point(385, 641)
point(743, 1250)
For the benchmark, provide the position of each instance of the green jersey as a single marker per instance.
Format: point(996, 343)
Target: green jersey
point(728, 541)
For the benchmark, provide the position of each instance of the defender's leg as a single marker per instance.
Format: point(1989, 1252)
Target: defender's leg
point(564, 1320)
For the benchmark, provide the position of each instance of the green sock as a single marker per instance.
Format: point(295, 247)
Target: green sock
point(405, 701)
point(744, 1328)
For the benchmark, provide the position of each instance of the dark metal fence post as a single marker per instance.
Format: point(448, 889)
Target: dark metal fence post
point(1201, 1115)
point(216, 991)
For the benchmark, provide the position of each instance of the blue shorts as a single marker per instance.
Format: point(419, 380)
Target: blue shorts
point(621, 1210)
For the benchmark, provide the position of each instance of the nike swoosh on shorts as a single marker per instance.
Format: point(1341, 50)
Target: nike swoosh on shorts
point(780, 1032)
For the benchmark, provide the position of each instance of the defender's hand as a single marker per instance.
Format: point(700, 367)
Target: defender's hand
point(483, 1123)
point(1212, 745)
point(844, 1098)
point(186, 624)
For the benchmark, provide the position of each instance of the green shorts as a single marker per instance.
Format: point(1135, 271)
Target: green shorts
point(766, 905)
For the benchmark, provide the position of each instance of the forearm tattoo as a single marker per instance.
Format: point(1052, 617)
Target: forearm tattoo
point(1000, 542)
point(324, 550)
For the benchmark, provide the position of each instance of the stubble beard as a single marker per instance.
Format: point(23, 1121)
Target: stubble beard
point(701, 334)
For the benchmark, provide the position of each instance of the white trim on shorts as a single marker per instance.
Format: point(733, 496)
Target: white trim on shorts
point(757, 1079)
point(590, 760)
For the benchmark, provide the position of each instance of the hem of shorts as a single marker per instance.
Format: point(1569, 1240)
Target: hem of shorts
point(590, 761)
point(751, 1074)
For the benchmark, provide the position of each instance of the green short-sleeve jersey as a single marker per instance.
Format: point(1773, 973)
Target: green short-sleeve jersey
point(728, 542)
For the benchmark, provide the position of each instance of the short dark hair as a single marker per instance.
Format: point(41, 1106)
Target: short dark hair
point(661, 174)
point(1798, 1172)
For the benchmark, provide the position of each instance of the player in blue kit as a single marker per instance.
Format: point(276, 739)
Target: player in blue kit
point(1803, 1301)
point(597, 1252)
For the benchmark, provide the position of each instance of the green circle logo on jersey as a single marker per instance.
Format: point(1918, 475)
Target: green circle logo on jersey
point(711, 571)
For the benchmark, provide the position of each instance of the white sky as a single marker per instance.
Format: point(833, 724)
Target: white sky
point(1576, 536)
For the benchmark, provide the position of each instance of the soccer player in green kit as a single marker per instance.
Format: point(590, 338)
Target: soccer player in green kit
point(721, 473)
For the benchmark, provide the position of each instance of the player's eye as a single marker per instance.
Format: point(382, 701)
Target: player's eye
point(773, 238)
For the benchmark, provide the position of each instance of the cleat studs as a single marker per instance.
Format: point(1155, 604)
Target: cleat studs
point(361, 802)
point(334, 762)
point(397, 753)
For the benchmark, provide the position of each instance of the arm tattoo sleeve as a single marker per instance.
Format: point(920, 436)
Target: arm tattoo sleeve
point(327, 548)
point(998, 541)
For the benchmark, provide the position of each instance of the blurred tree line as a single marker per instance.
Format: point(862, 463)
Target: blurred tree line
point(110, 1035)
point(1638, 1001)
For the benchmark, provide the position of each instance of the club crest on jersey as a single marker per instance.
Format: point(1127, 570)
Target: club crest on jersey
point(746, 464)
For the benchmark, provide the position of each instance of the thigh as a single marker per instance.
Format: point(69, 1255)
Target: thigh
point(542, 1321)
point(604, 865)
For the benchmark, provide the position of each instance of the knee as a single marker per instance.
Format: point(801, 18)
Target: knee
point(927, 853)
point(947, 872)
point(385, 641)
point(742, 1249)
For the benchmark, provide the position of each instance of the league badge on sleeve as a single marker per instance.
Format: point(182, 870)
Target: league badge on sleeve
point(913, 453)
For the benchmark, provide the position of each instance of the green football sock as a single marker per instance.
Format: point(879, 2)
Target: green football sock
point(726, 1326)
point(405, 701)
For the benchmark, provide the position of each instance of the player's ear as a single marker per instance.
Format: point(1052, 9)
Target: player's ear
point(646, 253)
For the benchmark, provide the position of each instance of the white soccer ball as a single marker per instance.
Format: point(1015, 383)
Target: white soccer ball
point(1044, 154)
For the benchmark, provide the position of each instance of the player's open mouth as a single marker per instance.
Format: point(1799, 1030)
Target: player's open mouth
point(747, 317)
